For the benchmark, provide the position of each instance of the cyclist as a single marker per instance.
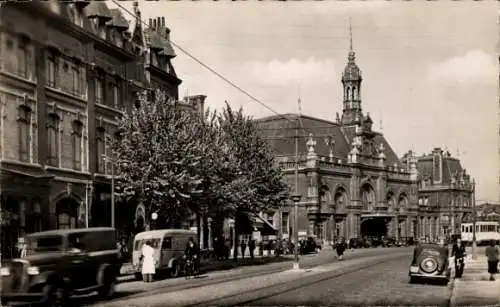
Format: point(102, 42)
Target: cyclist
point(192, 253)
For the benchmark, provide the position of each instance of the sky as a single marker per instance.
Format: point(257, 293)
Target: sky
point(430, 69)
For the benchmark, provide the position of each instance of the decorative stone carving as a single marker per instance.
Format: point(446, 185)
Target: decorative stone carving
point(330, 142)
point(381, 153)
point(311, 143)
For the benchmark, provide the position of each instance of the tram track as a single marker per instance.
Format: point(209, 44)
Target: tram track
point(255, 295)
point(201, 282)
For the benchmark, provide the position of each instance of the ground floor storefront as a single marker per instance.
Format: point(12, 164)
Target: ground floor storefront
point(400, 227)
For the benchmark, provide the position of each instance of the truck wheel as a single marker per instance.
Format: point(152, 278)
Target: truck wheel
point(108, 288)
point(56, 295)
point(175, 270)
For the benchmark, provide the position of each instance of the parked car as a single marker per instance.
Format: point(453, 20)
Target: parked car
point(61, 263)
point(430, 262)
point(169, 246)
point(309, 245)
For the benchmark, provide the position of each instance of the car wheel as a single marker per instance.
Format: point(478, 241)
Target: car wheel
point(56, 295)
point(429, 265)
point(412, 280)
point(175, 270)
point(108, 289)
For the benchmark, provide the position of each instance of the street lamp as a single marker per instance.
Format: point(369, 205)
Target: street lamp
point(154, 217)
point(296, 198)
point(474, 243)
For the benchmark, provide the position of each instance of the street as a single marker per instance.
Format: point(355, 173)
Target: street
point(366, 276)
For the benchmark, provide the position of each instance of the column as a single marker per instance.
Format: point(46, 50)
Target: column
point(438, 227)
point(201, 231)
point(22, 218)
point(396, 230)
point(210, 240)
point(452, 225)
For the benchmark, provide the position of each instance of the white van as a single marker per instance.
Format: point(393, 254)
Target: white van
point(169, 246)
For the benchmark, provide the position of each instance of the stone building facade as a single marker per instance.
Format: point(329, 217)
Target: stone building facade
point(446, 193)
point(68, 71)
point(351, 182)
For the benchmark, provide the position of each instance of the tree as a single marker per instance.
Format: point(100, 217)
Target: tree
point(158, 157)
point(255, 182)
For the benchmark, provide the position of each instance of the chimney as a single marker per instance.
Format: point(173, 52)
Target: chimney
point(159, 22)
point(167, 34)
point(163, 22)
point(154, 24)
point(150, 22)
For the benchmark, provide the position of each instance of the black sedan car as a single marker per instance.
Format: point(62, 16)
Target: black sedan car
point(430, 262)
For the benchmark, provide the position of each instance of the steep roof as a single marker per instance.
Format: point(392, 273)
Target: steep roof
point(279, 130)
point(451, 166)
point(118, 20)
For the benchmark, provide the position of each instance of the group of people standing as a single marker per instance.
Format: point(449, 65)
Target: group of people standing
point(492, 254)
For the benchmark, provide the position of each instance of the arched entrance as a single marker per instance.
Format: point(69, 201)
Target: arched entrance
point(67, 213)
point(374, 227)
point(367, 197)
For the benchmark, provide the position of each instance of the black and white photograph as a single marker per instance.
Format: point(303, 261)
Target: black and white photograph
point(249, 153)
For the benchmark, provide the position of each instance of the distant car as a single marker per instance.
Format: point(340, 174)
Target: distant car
point(61, 263)
point(430, 262)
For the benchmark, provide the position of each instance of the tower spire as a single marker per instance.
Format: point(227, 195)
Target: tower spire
point(350, 34)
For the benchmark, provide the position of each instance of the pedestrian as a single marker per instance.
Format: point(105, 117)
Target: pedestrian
point(148, 262)
point(458, 251)
point(243, 246)
point(493, 254)
point(22, 247)
point(251, 248)
point(340, 248)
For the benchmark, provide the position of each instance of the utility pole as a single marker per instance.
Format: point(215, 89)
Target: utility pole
point(112, 194)
point(296, 198)
point(474, 243)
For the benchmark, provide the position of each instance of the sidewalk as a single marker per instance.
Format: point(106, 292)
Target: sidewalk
point(474, 288)
point(126, 270)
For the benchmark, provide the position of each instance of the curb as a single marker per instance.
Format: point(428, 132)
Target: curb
point(452, 302)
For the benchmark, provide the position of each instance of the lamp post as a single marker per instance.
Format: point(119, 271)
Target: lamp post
point(474, 243)
point(154, 217)
point(296, 198)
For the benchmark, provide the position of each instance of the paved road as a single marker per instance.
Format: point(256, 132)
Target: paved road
point(383, 284)
point(139, 294)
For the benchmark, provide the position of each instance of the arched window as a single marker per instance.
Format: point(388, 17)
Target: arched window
point(53, 140)
point(101, 150)
point(24, 129)
point(348, 93)
point(340, 199)
point(367, 197)
point(77, 144)
point(353, 93)
point(66, 210)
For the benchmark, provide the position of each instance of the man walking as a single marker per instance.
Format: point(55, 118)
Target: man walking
point(493, 254)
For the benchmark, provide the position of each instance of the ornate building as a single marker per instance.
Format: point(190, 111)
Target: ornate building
point(68, 70)
point(445, 196)
point(352, 183)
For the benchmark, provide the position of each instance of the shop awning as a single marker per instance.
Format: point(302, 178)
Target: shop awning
point(263, 226)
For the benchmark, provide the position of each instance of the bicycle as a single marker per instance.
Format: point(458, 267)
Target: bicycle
point(189, 268)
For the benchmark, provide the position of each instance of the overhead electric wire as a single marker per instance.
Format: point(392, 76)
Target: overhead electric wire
point(210, 68)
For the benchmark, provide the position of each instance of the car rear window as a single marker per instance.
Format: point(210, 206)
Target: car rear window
point(155, 243)
point(44, 244)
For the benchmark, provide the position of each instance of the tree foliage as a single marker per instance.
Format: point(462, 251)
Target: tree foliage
point(180, 162)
